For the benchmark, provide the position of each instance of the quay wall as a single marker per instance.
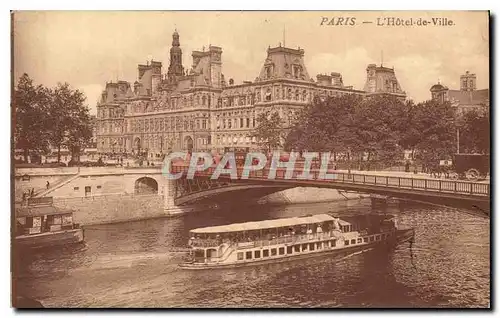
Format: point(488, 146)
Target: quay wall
point(113, 208)
point(71, 182)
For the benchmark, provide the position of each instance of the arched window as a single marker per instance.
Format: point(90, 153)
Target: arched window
point(203, 100)
point(297, 95)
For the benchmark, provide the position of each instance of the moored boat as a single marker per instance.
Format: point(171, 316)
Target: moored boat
point(291, 238)
point(42, 225)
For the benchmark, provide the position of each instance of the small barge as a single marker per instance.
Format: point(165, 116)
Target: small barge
point(40, 224)
point(291, 238)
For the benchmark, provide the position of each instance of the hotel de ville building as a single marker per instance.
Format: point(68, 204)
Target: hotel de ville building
point(197, 109)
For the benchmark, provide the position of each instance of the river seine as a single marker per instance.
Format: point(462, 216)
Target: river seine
point(135, 265)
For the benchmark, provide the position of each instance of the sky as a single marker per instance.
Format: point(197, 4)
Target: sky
point(89, 48)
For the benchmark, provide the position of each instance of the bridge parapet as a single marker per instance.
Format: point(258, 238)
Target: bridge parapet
point(472, 189)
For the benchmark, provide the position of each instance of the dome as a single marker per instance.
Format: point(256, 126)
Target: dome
point(437, 87)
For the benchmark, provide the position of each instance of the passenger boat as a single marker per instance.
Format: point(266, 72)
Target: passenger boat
point(291, 238)
point(45, 225)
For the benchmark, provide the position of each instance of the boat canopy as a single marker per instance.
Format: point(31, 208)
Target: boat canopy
point(41, 211)
point(267, 224)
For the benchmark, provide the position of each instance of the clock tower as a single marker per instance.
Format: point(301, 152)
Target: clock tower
point(175, 68)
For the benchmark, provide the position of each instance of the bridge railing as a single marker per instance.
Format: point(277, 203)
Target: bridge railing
point(420, 184)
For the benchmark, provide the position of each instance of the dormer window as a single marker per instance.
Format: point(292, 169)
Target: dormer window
point(297, 70)
point(269, 71)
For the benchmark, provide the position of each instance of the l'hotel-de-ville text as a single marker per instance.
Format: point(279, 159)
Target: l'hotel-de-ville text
point(388, 22)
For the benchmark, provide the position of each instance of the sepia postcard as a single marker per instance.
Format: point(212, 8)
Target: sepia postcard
point(250, 159)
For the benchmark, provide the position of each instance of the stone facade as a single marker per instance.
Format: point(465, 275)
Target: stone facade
point(198, 110)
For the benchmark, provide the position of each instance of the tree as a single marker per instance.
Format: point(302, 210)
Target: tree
point(30, 116)
point(474, 127)
point(436, 124)
point(326, 125)
point(269, 131)
point(379, 121)
point(71, 123)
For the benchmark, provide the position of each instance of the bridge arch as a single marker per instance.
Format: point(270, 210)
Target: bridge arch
point(146, 185)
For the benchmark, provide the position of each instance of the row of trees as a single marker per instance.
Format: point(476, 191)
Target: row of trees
point(49, 117)
point(378, 128)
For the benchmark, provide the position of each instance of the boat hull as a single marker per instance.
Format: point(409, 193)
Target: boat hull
point(401, 237)
point(51, 238)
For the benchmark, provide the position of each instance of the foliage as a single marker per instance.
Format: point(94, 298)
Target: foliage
point(30, 105)
point(474, 127)
point(376, 128)
point(50, 117)
point(269, 131)
point(71, 123)
point(436, 124)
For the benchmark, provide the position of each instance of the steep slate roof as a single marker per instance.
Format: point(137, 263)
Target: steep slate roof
point(282, 59)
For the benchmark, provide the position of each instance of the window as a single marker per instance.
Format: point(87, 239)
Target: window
point(76, 188)
point(98, 187)
point(318, 246)
point(297, 248)
point(248, 255)
point(311, 247)
point(346, 242)
point(268, 95)
point(372, 239)
point(265, 253)
point(241, 122)
point(353, 241)
point(248, 122)
point(289, 250)
point(240, 256)
point(268, 71)
point(333, 243)
point(88, 190)
point(383, 236)
point(360, 240)
point(365, 239)
point(377, 237)
point(304, 247)
point(282, 250)
point(273, 252)
point(257, 254)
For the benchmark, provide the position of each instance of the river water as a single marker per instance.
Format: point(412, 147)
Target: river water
point(134, 264)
